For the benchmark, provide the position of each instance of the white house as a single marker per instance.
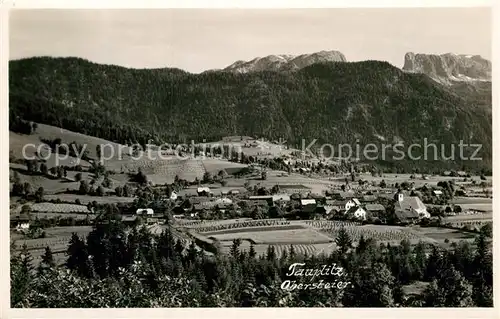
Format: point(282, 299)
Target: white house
point(352, 203)
point(173, 196)
point(305, 202)
point(356, 212)
point(22, 226)
point(145, 211)
point(203, 191)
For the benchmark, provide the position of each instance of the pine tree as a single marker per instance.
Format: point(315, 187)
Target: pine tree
point(343, 241)
point(251, 252)
point(271, 253)
point(235, 248)
point(192, 253)
point(77, 256)
point(21, 275)
point(292, 253)
point(47, 260)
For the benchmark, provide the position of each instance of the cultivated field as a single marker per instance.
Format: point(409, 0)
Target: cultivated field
point(59, 208)
point(309, 237)
point(380, 233)
point(75, 216)
point(55, 208)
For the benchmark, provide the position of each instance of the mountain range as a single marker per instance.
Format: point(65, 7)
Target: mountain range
point(285, 62)
point(446, 68)
point(466, 75)
point(297, 99)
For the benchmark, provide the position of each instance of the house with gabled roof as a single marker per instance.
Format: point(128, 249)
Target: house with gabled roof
point(203, 191)
point(375, 209)
point(356, 212)
point(409, 208)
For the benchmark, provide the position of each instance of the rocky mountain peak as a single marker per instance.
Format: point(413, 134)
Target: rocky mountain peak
point(285, 62)
point(449, 68)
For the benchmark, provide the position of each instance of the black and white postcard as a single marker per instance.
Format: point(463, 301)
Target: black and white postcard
point(244, 157)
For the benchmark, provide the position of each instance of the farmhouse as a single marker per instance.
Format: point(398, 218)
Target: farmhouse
point(22, 226)
point(351, 203)
point(203, 191)
point(305, 202)
point(19, 218)
point(173, 196)
point(145, 211)
point(356, 212)
point(375, 209)
point(409, 207)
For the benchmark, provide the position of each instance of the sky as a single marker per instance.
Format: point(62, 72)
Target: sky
point(196, 40)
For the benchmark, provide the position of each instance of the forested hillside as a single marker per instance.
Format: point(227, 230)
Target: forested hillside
point(332, 102)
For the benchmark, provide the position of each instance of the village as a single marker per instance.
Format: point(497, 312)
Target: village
point(273, 189)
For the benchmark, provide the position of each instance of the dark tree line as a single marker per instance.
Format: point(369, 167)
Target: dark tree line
point(130, 267)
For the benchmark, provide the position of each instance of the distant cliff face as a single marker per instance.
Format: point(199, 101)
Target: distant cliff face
point(449, 68)
point(285, 62)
